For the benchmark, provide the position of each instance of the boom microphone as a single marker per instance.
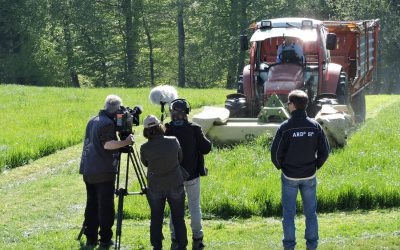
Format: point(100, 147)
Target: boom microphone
point(163, 94)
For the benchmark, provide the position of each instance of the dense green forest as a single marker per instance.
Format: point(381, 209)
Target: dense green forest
point(134, 43)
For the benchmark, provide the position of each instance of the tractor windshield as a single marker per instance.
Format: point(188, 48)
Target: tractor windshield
point(306, 35)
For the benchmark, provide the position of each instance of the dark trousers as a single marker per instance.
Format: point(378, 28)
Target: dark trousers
point(99, 211)
point(176, 201)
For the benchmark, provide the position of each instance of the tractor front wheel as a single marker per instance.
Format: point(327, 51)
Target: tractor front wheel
point(237, 105)
point(342, 89)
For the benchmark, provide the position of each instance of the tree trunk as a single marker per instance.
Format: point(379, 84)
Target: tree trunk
point(136, 7)
point(181, 45)
point(233, 42)
point(104, 72)
point(69, 47)
point(150, 44)
point(243, 26)
point(129, 42)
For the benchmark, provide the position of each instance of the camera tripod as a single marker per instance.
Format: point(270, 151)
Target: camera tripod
point(122, 191)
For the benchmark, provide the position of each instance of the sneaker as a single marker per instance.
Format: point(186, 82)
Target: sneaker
point(91, 243)
point(174, 244)
point(106, 245)
point(198, 244)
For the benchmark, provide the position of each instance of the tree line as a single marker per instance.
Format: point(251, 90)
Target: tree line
point(136, 43)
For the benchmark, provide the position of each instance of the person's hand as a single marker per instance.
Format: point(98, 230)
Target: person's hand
point(130, 139)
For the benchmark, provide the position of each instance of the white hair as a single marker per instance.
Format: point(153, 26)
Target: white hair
point(112, 103)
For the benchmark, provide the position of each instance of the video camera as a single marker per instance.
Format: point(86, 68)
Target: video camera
point(125, 118)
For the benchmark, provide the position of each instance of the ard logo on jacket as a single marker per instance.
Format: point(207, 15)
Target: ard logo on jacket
point(302, 134)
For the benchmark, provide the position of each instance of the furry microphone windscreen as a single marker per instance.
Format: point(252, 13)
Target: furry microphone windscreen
point(163, 93)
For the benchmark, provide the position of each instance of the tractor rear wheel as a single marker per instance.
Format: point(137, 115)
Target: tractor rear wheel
point(358, 105)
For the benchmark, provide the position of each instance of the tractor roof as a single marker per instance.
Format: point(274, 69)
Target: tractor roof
point(290, 21)
point(288, 27)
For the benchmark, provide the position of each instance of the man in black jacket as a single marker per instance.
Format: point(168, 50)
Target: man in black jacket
point(98, 167)
point(194, 145)
point(298, 150)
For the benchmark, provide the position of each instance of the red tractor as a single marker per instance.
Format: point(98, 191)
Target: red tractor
point(332, 61)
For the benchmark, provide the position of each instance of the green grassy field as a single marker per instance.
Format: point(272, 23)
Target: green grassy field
point(37, 121)
point(42, 207)
point(43, 202)
point(242, 181)
point(364, 175)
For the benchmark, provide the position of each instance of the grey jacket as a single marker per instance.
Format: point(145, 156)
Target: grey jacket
point(162, 156)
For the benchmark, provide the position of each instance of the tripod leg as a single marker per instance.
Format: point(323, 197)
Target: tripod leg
point(121, 194)
point(138, 167)
point(82, 231)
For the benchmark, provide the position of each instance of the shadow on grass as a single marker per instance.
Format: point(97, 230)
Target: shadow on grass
point(226, 210)
point(264, 141)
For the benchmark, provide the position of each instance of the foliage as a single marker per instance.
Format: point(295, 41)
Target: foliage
point(36, 48)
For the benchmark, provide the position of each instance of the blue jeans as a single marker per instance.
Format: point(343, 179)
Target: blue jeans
point(308, 191)
point(192, 188)
point(176, 201)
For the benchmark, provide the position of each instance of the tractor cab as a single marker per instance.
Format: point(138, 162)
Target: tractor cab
point(286, 54)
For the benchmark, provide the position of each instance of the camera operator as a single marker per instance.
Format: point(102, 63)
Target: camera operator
point(162, 156)
point(194, 145)
point(98, 167)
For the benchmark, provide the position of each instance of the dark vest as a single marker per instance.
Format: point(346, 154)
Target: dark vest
point(97, 163)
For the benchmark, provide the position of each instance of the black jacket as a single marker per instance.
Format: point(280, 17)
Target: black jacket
point(98, 164)
point(300, 146)
point(194, 145)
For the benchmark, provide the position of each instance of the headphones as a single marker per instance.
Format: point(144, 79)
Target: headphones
point(180, 105)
